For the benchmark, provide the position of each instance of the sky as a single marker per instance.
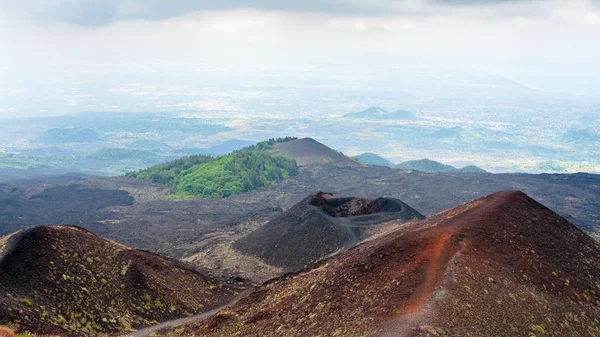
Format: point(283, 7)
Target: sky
point(549, 45)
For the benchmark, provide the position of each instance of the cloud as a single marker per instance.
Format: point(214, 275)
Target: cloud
point(102, 12)
point(96, 13)
point(77, 12)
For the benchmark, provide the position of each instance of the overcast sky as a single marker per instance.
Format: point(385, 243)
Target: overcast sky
point(553, 45)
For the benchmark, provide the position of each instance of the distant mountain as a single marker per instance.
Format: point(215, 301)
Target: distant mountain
point(113, 155)
point(149, 145)
point(464, 135)
point(376, 113)
point(455, 133)
point(320, 225)
point(65, 280)
point(192, 151)
point(503, 265)
point(68, 135)
point(228, 147)
point(472, 169)
point(217, 150)
point(431, 166)
point(581, 135)
point(307, 151)
point(236, 173)
point(373, 159)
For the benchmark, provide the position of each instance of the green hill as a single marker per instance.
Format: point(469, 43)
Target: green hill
point(68, 135)
point(373, 159)
point(236, 173)
point(431, 166)
point(472, 169)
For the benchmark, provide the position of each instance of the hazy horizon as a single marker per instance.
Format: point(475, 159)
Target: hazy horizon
point(506, 85)
point(68, 56)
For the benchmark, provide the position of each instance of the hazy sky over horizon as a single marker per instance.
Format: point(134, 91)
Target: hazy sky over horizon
point(551, 45)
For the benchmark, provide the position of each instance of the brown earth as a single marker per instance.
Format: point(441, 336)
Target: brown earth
point(320, 225)
point(138, 214)
point(68, 281)
point(307, 151)
point(503, 265)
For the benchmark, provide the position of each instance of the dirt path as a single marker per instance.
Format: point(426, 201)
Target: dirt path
point(145, 332)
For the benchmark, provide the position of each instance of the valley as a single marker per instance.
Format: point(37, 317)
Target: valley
point(330, 168)
point(288, 238)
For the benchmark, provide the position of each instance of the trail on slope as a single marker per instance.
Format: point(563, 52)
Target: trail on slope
point(145, 332)
point(431, 261)
point(438, 253)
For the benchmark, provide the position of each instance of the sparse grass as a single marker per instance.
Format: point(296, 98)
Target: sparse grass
point(91, 296)
point(538, 328)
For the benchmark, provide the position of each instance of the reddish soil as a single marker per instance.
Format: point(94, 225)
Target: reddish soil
point(7, 333)
point(502, 265)
point(435, 256)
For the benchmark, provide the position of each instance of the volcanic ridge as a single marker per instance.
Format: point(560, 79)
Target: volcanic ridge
point(502, 265)
point(67, 281)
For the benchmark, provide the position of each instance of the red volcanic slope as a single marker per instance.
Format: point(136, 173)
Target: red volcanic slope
point(503, 265)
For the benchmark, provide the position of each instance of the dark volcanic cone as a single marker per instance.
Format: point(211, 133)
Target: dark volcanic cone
point(320, 225)
point(307, 151)
point(68, 281)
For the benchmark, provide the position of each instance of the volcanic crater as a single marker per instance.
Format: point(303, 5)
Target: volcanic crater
point(320, 225)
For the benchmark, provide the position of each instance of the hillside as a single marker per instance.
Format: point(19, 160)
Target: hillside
point(68, 135)
point(431, 166)
point(113, 155)
point(373, 159)
point(376, 113)
point(67, 281)
point(320, 225)
point(140, 215)
point(229, 146)
point(10, 161)
point(307, 151)
point(459, 135)
point(236, 173)
point(581, 136)
point(502, 265)
point(149, 145)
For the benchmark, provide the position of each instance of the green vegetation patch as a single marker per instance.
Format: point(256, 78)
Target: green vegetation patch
point(236, 173)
